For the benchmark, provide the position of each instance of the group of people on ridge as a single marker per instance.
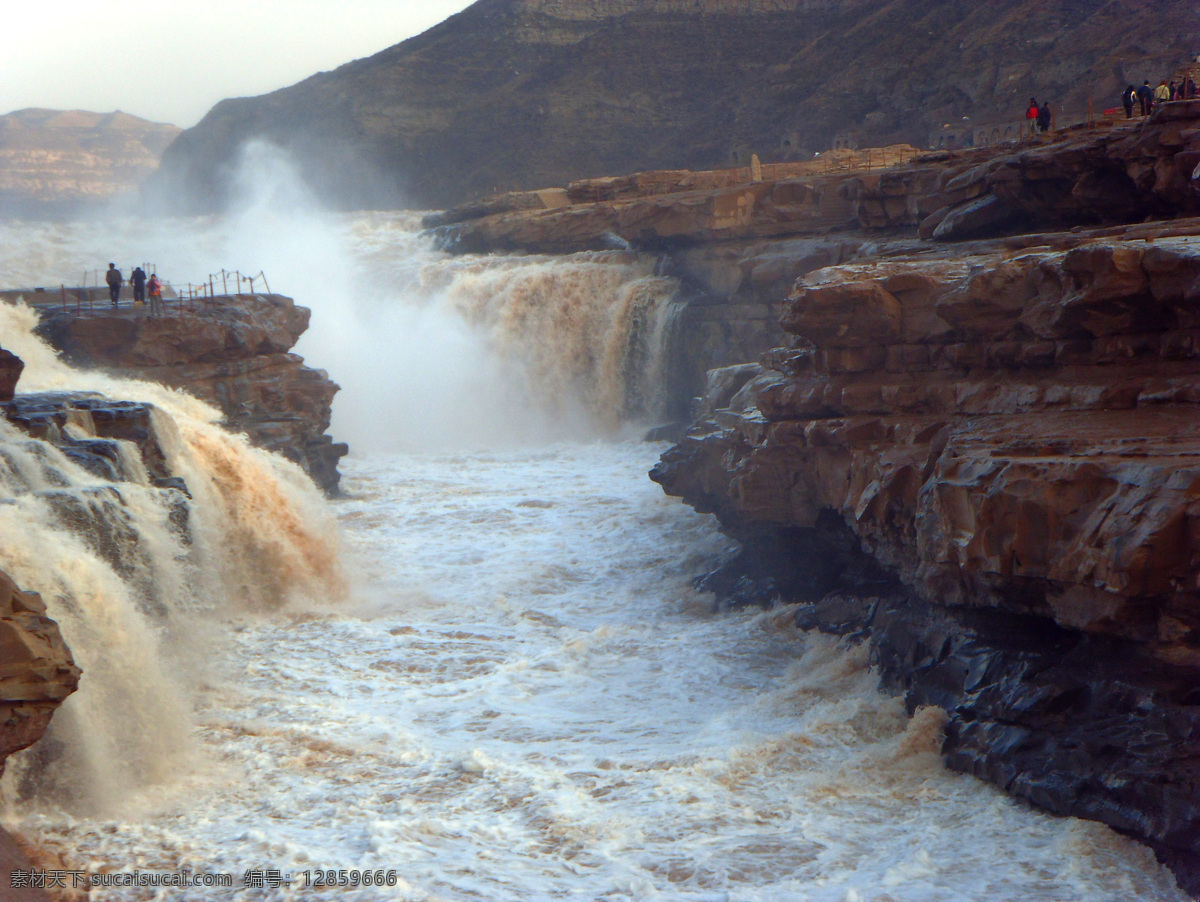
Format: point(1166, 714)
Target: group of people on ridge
point(1145, 98)
point(1038, 117)
point(140, 284)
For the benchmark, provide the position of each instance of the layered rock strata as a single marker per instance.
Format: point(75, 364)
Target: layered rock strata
point(1124, 173)
point(233, 351)
point(990, 465)
point(1111, 173)
point(61, 162)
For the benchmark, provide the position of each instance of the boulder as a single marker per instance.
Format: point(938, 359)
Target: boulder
point(36, 668)
point(10, 371)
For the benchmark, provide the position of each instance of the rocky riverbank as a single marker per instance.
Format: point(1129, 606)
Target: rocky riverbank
point(963, 427)
point(232, 350)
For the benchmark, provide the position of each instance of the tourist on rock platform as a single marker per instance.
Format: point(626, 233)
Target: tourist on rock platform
point(138, 280)
point(1127, 100)
point(114, 279)
point(155, 287)
point(1145, 96)
point(1189, 88)
point(1176, 90)
point(1162, 93)
point(1044, 117)
point(1031, 114)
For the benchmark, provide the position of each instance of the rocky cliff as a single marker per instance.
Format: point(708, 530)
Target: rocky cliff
point(983, 459)
point(961, 424)
point(56, 162)
point(524, 93)
point(234, 351)
point(738, 238)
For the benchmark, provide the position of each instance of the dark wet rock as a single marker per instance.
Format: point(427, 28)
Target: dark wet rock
point(10, 371)
point(985, 465)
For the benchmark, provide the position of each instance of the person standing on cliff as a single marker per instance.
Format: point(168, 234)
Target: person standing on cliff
point(155, 287)
point(1145, 96)
point(1044, 117)
point(114, 279)
point(138, 280)
point(1127, 100)
point(1031, 114)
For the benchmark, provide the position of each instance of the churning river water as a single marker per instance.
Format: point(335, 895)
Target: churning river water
point(504, 687)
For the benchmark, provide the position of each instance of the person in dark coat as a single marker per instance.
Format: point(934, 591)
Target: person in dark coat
point(1044, 117)
point(1145, 96)
point(114, 279)
point(1127, 100)
point(137, 279)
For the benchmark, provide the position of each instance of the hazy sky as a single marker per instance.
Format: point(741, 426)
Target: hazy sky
point(172, 60)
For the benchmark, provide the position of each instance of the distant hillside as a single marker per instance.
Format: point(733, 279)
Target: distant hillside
point(54, 161)
point(528, 93)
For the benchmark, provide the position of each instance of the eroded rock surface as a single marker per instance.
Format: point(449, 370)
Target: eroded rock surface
point(989, 463)
point(234, 351)
point(1129, 172)
point(36, 668)
point(1122, 172)
point(10, 371)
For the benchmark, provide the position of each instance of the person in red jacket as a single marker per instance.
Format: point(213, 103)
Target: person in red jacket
point(1031, 115)
point(155, 287)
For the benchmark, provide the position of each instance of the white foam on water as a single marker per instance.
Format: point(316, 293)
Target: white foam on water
point(527, 700)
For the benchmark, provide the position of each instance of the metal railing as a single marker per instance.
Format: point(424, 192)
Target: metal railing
point(83, 300)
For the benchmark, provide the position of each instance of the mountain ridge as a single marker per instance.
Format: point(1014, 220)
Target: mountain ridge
point(526, 93)
point(56, 162)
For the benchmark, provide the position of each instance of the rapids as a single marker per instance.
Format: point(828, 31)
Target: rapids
point(494, 678)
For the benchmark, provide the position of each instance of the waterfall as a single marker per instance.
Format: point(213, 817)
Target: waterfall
point(431, 351)
point(587, 330)
point(133, 572)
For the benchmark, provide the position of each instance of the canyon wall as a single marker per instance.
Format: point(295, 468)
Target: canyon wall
point(960, 423)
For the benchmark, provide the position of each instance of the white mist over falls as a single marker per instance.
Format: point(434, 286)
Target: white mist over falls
point(485, 668)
